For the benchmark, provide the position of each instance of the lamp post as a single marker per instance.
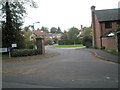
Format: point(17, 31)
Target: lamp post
point(39, 42)
point(34, 24)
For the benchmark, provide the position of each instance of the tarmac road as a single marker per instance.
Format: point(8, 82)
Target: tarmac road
point(72, 68)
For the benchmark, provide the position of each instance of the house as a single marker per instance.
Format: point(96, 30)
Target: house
point(54, 35)
point(37, 34)
point(104, 25)
point(49, 35)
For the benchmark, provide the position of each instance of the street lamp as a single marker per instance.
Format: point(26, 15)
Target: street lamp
point(34, 24)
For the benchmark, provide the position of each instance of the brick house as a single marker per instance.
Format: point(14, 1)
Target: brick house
point(104, 25)
point(37, 34)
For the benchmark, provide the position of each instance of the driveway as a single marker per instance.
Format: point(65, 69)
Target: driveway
point(71, 68)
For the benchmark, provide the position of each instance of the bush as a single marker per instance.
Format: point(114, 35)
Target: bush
point(48, 41)
point(87, 41)
point(24, 52)
point(68, 42)
point(31, 46)
point(65, 42)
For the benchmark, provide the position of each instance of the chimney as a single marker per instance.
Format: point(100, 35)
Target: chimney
point(82, 29)
point(81, 26)
point(93, 25)
point(92, 8)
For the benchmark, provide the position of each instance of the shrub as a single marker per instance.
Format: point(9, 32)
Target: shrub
point(48, 41)
point(102, 47)
point(118, 53)
point(87, 41)
point(68, 42)
point(50, 44)
point(30, 46)
point(24, 52)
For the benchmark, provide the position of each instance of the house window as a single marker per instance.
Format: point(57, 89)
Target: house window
point(108, 25)
point(118, 23)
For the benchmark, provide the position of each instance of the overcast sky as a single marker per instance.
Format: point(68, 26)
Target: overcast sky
point(65, 13)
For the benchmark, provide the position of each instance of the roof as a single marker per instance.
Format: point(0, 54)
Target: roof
point(39, 32)
point(110, 34)
point(108, 15)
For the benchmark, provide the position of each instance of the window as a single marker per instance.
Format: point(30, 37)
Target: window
point(108, 24)
point(118, 22)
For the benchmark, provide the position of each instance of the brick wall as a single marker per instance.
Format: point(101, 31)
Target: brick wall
point(104, 30)
point(109, 42)
point(97, 33)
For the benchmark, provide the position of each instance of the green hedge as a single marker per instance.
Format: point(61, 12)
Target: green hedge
point(24, 52)
point(68, 42)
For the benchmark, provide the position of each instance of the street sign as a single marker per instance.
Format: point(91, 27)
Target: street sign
point(14, 45)
point(3, 50)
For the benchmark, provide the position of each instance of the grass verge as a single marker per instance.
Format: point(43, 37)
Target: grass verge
point(4, 56)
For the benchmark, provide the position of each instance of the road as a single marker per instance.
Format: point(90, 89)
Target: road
point(72, 68)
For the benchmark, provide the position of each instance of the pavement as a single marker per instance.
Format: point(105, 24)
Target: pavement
point(51, 53)
point(104, 55)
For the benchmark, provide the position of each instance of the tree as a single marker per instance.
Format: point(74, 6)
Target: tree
point(12, 14)
point(87, 37)
point(72, 34)
point(45, 29)
point(64, 35)
point(53, 30)
point(65, 32)
point(88, 31)
point(59, 30)
point(11, 28)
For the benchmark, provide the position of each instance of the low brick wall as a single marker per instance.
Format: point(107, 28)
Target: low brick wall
point(109, 42)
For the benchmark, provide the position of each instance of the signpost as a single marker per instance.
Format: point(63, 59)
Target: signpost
point(3, 50)
point(14, 45)
point(9, 50)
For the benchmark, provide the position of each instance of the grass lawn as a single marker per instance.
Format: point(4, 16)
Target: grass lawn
point(77, 45)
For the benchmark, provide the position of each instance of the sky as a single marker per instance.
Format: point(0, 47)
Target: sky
point(65, 13)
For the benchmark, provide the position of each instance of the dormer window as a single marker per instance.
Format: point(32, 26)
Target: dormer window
point(108, 25)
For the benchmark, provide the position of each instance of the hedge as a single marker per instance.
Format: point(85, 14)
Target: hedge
point(24, 52)
point(68, 42)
